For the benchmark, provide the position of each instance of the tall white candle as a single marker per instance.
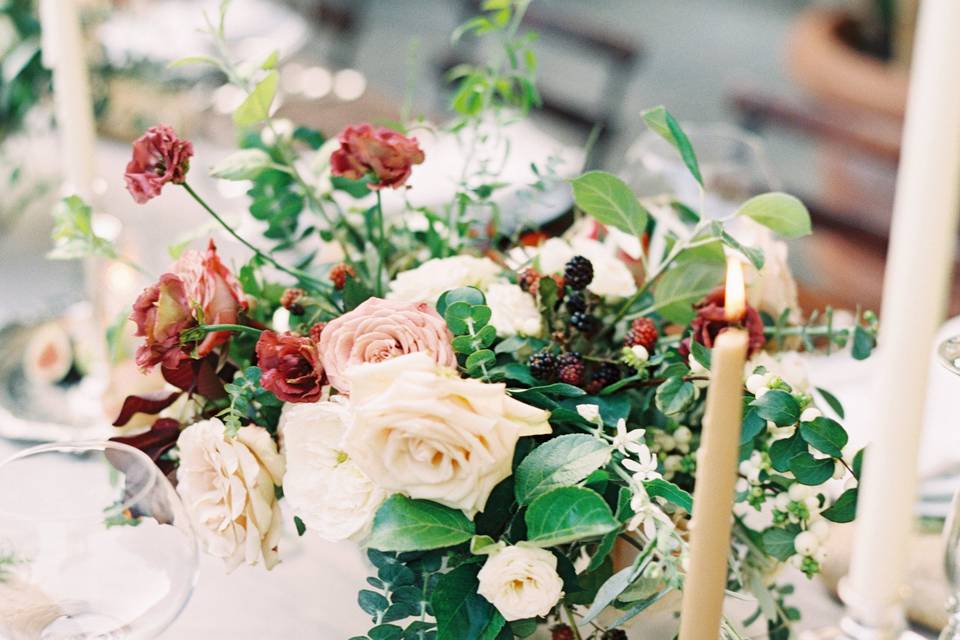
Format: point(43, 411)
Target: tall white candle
point(917, 276)
point(64, 54)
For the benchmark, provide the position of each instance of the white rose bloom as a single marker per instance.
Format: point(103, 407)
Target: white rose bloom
point(789, 366)
point(323, 485)
point(420, 430)
point(227, 485)
point(772, 288)
point(514, 311)
point(426, 282)
point(521, 582)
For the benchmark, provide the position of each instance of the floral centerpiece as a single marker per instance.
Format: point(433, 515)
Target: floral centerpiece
point(507, 423)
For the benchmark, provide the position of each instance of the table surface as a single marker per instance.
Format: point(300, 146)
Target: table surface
point(314, 589)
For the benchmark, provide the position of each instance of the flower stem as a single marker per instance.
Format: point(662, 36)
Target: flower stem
point(239, 328)
point(381, 245)
point(296, 273)
point(573, 621)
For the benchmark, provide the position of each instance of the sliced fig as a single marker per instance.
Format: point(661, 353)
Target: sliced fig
point(48, 357)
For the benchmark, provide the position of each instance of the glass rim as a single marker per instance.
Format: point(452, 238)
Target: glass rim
point(82, 446)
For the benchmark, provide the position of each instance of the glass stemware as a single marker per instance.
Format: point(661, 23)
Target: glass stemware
point(949, 355)
point(94, 544)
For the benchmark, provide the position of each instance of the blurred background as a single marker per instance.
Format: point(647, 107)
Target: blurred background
point(801, 95)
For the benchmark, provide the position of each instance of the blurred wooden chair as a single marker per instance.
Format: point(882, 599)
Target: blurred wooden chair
point(617, 55)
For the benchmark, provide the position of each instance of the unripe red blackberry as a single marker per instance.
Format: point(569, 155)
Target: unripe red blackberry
point(583, 322)
point(528, 280)
point(642, 332)
point(605, 375)
point(315, 331)
point(543, 365)
point(570, 368)
point(290, 300)
point(578, 273)
point(561, 632)
point(339, 274)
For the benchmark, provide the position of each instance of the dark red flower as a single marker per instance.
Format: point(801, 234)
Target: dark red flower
point(290, 366)
point(387, 154)
point(711, 321)
point(161, 312)
point(159, 157)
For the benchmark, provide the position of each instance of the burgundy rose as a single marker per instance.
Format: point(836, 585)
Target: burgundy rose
point(711, 321)
point(159, 157)
point(387, 154)
point(196, 283)
point(290, 366)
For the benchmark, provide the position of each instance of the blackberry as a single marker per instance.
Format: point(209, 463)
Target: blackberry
point(583, 322)
point(570, 367)
point(578, 273)
point(642, 332)
point(316, 330)
point(605, 375)
point(543, 365)
point(614, 634)
point(576, 302)
point(528, 280)
point(561, 632)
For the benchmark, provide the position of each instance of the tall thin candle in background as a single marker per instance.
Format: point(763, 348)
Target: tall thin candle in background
point(706, 580)
point(919, 264)
point(64, 54)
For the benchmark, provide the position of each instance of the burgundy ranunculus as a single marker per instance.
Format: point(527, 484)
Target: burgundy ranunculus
point(197, 281)
point(387, 154)
point(290, 366)
point(159, 157)
point(711, 321)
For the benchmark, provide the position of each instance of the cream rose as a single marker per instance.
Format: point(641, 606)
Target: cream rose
point(521, 582)
point(513, 310)
point(323, 485)
point(380, 329)
point(611, 277)
point(420, 430)
point(227, 485)
point(429, 280)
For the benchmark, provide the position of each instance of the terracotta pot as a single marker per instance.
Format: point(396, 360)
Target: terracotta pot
point(823, 62)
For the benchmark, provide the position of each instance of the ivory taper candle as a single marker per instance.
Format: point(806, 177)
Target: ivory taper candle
point(706, 578)
point(64, 54)
point(919, 262)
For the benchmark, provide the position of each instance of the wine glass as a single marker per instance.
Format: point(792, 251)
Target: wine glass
point(94, 544)
point(949, 355)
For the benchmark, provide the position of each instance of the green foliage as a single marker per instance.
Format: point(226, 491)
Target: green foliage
point(844, 509)
point(73, 235)
point(684, 285)
point(401, 592)
point(779, 542)
point(659, 488)
point(610, 201)
point(24, 80)
point(404, 524)
point(780, 212)
point(675, 395)
point(567, 514)
point(825, 435)
point(811, 471)
point(661, 122)
point(778, 406)
point(563, 461)
point(250, 403)
point(462, 613)
point(256, 107)
point(468, 319)
point(245, 164)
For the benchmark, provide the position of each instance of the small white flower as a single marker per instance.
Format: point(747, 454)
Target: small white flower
point(810, 414)
point(647, 515)
point(590, 413)
point(806, 543)
point(644, 468)
point(626, 441)
point(281, 320)
point(521, 582)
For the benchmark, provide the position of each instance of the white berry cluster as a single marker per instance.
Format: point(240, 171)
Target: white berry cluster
point(673, 451)
point(802, 505)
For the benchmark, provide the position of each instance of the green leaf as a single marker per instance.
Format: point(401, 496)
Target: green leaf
point(567, 514)
point(189, 60)
point(753, 424)
point(480, 314)
point(372, 603)
point(701, 354)
point(754, 255)
point(462, 613)
point(456, 315)
point(811, 471)
point(863, 343)
point(661, 122)
point(780, 212)
point(778, 406)
point(355, 293)
point(404, 524)
point(73, 235)
point(558, 389)
point(245, 164)
point(256, 107)
point(470, 295)
point(385, 632)
point(562, 461)
point(782, 451)
point(832, 401)
point(844, 509)
point(825, 435)
point(779, 542)
point(660, 488)
point(301, 527)
point(675, 395)
point(271, 61)
point(480, 358)
point(610, 201)
point(679, 288)
point(608, 592)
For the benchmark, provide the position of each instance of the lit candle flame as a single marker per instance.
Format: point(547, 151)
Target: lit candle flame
point(735, 296)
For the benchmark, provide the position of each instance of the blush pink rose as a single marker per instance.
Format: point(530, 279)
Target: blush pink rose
point(387, 154)
point(196, 281)
point(159, 157)
point(381, 329)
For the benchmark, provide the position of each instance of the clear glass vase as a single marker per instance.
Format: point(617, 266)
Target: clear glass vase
point(94, 544)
